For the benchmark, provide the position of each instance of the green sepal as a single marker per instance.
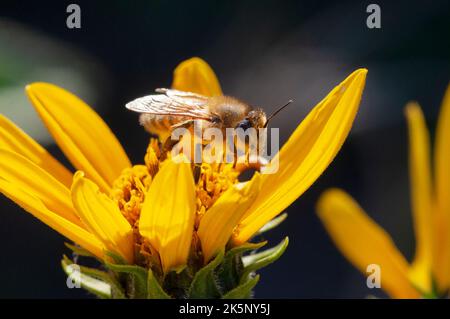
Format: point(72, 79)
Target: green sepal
point(426, 295)
point(136, 278)
point(178, 269)
point(79, 250)
point(154, 289)
point(272, 223)
point(229, 272)
point(229, 275)
point(204, 284)
point(94, 280)
point(432, 294)
point(242, 291)
point(262, 259)
point(116, 258)
point(245, 248)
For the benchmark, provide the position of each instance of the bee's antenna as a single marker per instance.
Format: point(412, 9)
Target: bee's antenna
point(271, 116)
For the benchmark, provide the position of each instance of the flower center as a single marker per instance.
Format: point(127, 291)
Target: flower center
point(130, 188)
point(129, 192)
point(213, 181)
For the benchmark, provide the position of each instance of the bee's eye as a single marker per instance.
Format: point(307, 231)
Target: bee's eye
point(216, 120)
point(244, 124)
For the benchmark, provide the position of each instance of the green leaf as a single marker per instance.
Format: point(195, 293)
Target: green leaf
point(204, 284)
point(93, 280)
point(242, 291)
point(230, 270)
point(154, 289)
point(273, 223)
point(262, 259)
point(137, 279)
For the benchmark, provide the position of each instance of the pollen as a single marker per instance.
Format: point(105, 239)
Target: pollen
point(129, 191)
point(152, 157)
point(130, 187)
point(213, 181)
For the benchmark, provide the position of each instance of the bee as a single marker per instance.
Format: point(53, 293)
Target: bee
point(161, 113)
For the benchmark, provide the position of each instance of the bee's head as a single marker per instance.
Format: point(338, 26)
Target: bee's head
point(255, 118)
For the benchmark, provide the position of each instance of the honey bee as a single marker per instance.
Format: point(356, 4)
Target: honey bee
point(161, 113)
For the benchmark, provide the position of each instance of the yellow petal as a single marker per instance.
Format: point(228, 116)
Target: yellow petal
point(168, 213)
point(14, 139)
point(442, 176)
point(195, 75)
point(306, 154)
point(363, 242)
point(102, 217)
point(30, 178)
point(217, 224)
point(421, 192)
point(80, 133)
point(34, 206)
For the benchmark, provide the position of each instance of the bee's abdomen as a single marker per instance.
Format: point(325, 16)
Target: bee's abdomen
point(160, 124)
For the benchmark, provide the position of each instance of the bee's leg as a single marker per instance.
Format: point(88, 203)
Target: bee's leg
point(169, 143)
point(235, 152)
point(196, 171)
point(184, 124)
point(253, 163)
point(241, 162)
point(235, 160)
point(167, 147)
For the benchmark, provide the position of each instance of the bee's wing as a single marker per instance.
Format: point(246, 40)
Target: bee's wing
point(173, 102)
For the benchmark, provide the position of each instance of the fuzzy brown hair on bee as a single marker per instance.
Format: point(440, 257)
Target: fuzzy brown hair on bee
point(161, 113)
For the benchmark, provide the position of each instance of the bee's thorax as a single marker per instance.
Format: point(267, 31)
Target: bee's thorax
point(229, 110)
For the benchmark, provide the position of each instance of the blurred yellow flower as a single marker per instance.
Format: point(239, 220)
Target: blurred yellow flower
point(154, 214)
point(363, 242)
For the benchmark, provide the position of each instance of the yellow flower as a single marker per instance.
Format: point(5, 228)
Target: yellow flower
point(363, 242)
point(154, 214)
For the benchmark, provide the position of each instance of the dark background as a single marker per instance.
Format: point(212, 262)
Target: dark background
point(264, 52)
